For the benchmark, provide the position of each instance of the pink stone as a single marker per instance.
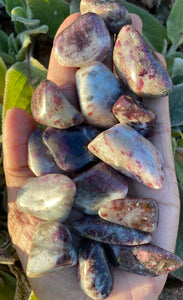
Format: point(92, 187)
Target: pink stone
point(127, 151)
point(137, 213)
point(51, 108)
point(84, 41)
point(138, 67)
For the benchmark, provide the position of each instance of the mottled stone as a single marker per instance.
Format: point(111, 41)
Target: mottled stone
point(97, 186)
point(84, 41)
point(95, 228)
point(138, 67)
point(51, 108)
point(113, 12)
point(134, 114)
point(69, 147)
point(127, 151)
point(40, 160)
point(96, 100)
point(147, 260)
point(51, 249)
point(49, 197)
point(94, 273)
point(137, 213)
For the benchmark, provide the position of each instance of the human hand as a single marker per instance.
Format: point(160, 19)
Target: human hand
point(63, 284)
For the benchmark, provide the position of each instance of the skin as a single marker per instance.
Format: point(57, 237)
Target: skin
point(63, 284)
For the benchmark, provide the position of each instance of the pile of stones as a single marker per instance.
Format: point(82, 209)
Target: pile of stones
point(83, 157)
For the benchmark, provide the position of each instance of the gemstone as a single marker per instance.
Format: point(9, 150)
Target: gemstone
point(127, 151)
point(133, 113)
point(137, 213)
point(51, 108)
point(49, 197)
point(97, 186)
point(113, 12)
point(40, 160)
point(51, 249)
point(96, 100)
point(146, 260)
point(94, 273)
point(69, 146)
point(138, 67)
point(95, 228)
point(84, 41)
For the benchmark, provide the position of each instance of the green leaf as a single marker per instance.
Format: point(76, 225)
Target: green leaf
point(2, 79)
point(4, 41)
point(34, 32)
point(18, 14)
point(179, 164)
point(74, 6)
point(11, 4)
point(176, 105)
point(12, 43)
point(153, 31)
point(49, 12)
point(21, 79)
point(32, 296)
point(177, 67)
point(25, 41)
point(1, 111)
point(7, 286)
point(174, 145)
point(175, 23)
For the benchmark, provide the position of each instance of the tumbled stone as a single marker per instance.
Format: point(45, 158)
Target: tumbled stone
point(51, 108)
point(51, 249)
point(84, 41)
point(49, 197)
point(69, 147)
point(137, 213)
point(98, 89)
point(94, 273)
point(146, 260)
point(40, 160)
point(95, 228)
point(97, 186)
point(134, 114)
point(127, 151)
point(113, 12)
point(138, 67)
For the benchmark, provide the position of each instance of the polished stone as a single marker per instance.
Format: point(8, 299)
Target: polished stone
point(84, 41)
point(127, 151)
point(98, 89)
point(49, 197)
point(95, 228)
point(137, 213)
point(51, 108)
point(138, 67)
point(94, 272)
point(51, 249)
point(97, 186)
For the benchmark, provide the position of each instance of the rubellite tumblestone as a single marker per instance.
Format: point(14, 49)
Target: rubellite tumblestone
point(95, 228)
point(138, 67)
point(113, 12)
point(98, 89)
point(84, 41)
point(94, 272)
point(51, 249)
point(69, 147)
point(97, 186)
point(49, 197)
point(127, 151)
point(51, 108)
point(40, 160)
point(146, 260)
point(134, 114)
point(137, 213)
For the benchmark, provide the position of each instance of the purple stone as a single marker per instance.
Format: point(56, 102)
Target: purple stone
point(97, 186)
point(94, 272)
point(146, 260)
point(95, 228)
point(69, 147)
point(40, 160)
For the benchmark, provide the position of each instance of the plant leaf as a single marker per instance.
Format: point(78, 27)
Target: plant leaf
point(11, 4)
point(21, 79)
point(25, 41)
point(153, 31)
point(49, 12)
point(179, 164)
point(177, 67)
point(32, 296)
point(175, 23)
point(18, 14)
point(2, 78)
point(176, 105)
point(35, 31)
point(7, 285)
point(74, 6)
